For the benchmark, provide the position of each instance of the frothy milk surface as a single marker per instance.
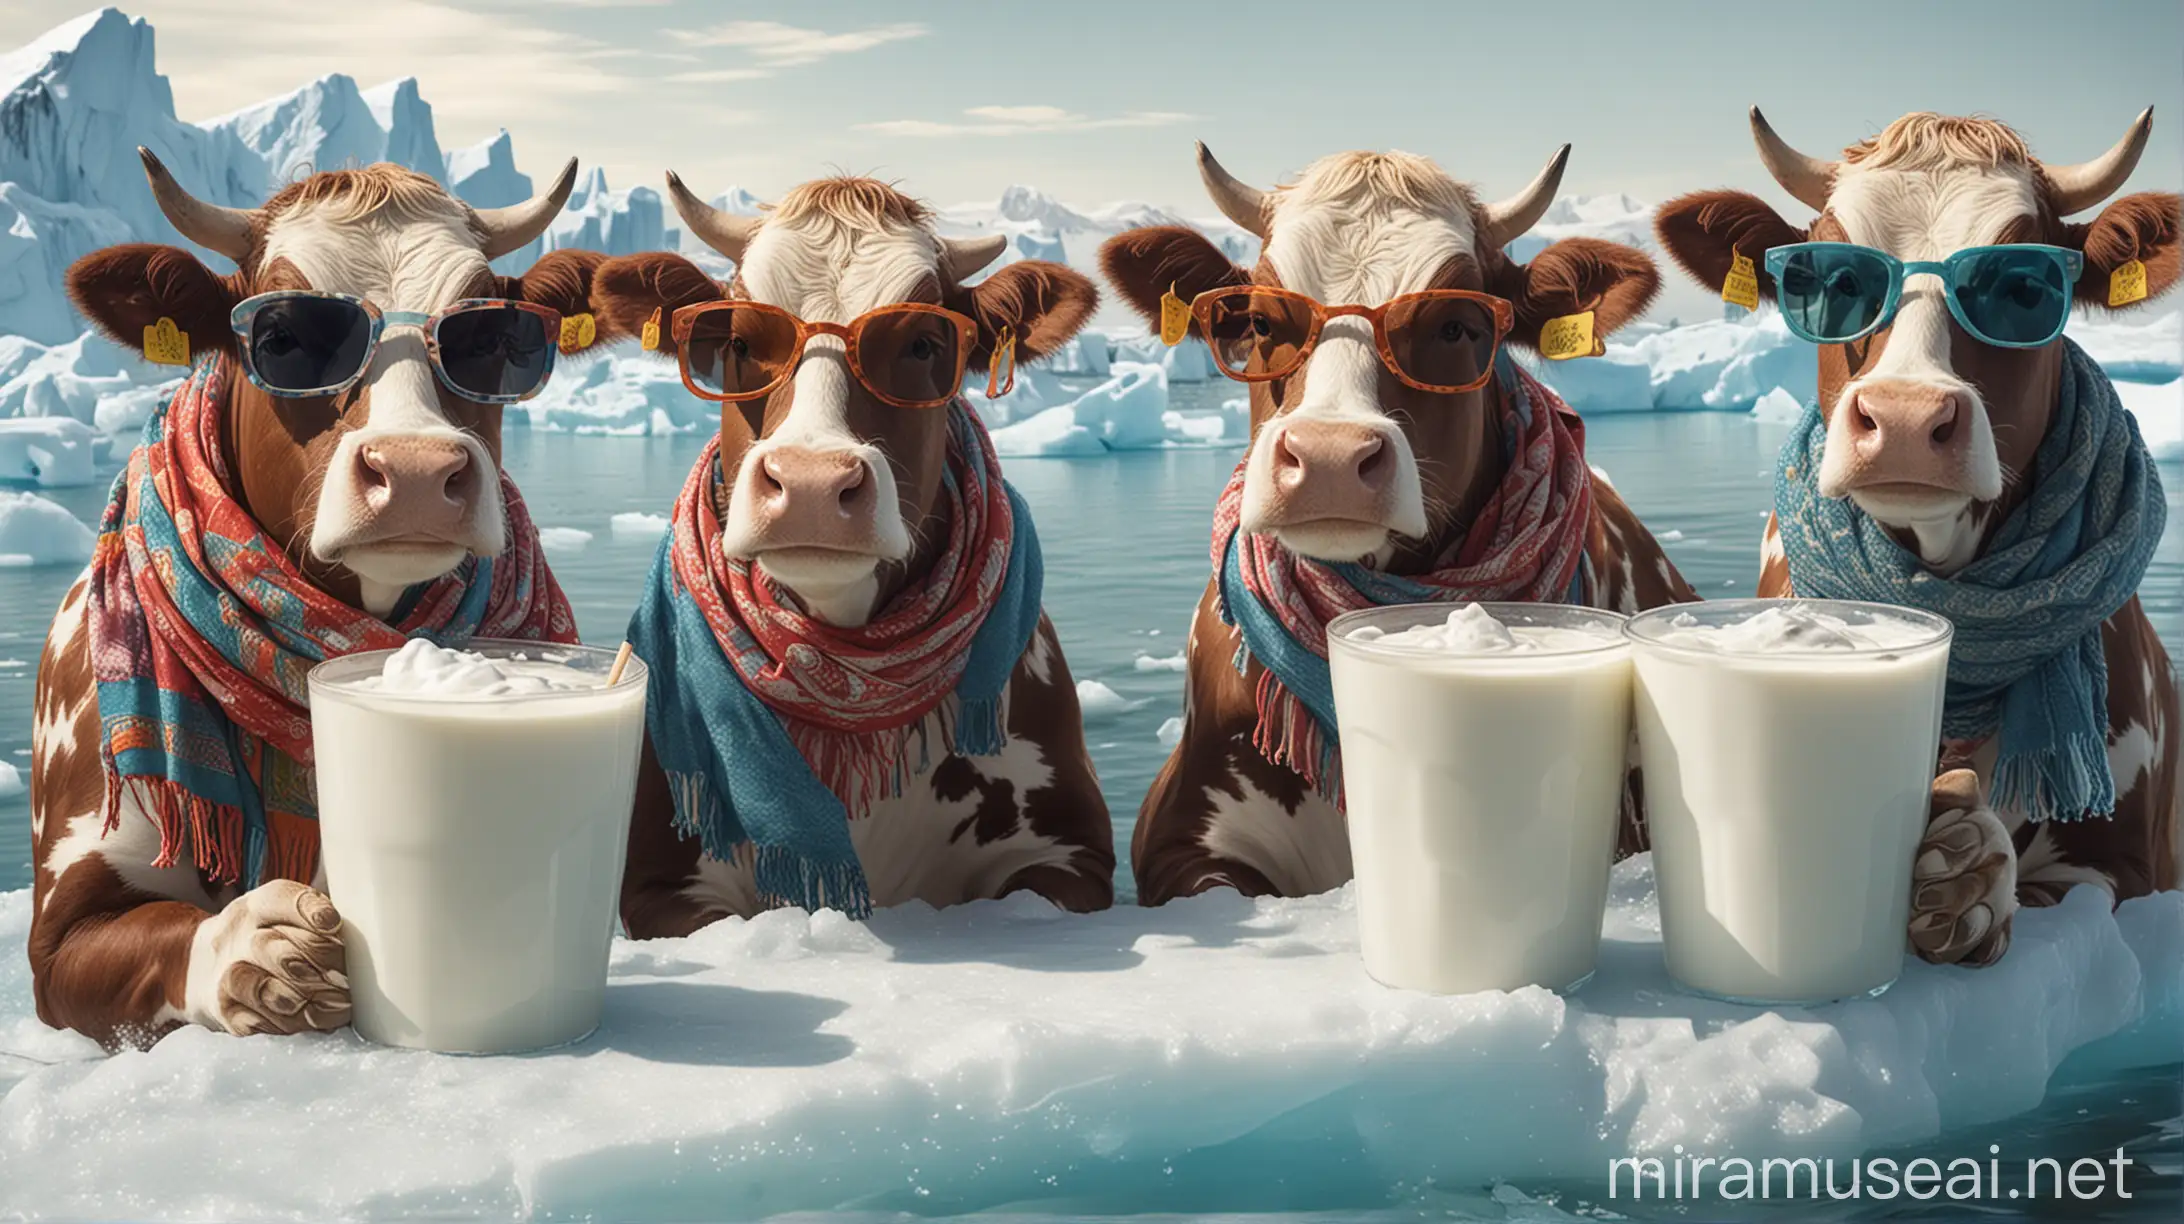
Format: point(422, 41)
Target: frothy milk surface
point(1483, 755)
point(474, 814)
point(1789, 751)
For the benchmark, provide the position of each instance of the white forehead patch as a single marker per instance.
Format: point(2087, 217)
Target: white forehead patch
point(1353, 244)
point(1930, 214)
point(396, 259)
point(825, 271)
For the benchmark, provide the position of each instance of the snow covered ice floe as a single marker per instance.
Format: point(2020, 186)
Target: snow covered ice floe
point(35, 531)
point(55, 452)
point(1004, 1051)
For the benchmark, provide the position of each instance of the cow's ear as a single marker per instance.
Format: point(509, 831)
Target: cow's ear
point(563, 281)
point(1144, 264)
point(1572, 276)
point(1042, 303)
point(628, 291)
point(2142, 227)
point(1707, 230)
point(126, 289)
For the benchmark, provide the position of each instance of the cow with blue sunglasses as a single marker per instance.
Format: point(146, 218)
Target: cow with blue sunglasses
point(1963, 457)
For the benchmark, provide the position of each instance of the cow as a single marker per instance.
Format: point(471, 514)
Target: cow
point(833, 500)
point(1931, 432)
point(391, 483)
point(1348, 463)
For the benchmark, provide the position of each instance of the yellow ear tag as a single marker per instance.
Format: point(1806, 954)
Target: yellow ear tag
point(1570, 336)
point(577, 331)
point(1001, 374)
point(166, 344)
point(650, 336)
point(1175, 318)
point(1742, 284)
point(2127, 284)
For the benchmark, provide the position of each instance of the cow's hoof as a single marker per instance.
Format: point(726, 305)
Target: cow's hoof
point(1964, 882)
point(271, 962)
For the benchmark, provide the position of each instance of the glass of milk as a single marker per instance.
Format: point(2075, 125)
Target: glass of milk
point(1789, 750)
point(473, 818)
point(1483, 753)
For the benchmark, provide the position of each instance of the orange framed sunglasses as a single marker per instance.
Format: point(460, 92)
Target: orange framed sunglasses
point(908, 355)
point(1441, 340)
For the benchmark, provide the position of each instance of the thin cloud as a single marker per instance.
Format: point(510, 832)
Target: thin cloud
point(1023, 120)
point(716, 76)
point(775, 44)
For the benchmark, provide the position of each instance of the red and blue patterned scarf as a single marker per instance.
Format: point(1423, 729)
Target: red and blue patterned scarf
point(203, 628)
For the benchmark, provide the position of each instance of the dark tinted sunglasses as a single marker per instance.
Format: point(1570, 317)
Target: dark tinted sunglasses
point(304, 343)
point(2014, 296)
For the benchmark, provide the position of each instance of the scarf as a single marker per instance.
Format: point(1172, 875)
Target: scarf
point(203, 628)
point(1527, 543)
point(2026, 658)
point(777, 729)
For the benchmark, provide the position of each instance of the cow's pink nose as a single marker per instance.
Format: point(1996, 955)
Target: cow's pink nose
point(815, 499)
point(1331, 471)
point(414, 485)
point(1909, 419)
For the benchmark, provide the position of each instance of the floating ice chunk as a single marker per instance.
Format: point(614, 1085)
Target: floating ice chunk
point(1779, 407)
point(563, 539)
point(34, 531)
point(2160, 412)
point(1174, 663)
point(637, 527)
point(11, 781)
point(1619, 380)
point(50, 451)
point(622, 392)
point(1099, 701)
point(1170, 733)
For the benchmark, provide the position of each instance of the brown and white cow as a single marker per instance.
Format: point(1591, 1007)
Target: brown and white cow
point(1932, 433)
point(122, 950)
point(836, 497)
point(1404, 469)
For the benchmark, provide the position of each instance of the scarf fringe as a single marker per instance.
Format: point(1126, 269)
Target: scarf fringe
point(1288, 735)
point(863, 769)
point(784, 877)
point(2035, 782)
point(221, 841)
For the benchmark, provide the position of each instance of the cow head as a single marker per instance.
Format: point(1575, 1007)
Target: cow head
point(1347, 462)
point(833, 493)
point(396, 480)
point(1929, 429)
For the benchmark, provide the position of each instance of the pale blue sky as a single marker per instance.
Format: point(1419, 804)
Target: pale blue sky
point(1102, 102)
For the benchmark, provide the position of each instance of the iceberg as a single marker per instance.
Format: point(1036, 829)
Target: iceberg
point(1129, 411)
point(610, 222)
point(623, 391)
point(1619, 380)
point(1126, 1061)
point(50, 451)
point(35, 531)
point(2159, 409)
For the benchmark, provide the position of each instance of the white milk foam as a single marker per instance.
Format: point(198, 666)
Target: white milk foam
point(1472, 630)
point(1794, 627)
point(421, 669)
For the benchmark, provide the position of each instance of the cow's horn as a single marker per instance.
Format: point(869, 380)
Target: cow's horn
point(225, 230)
point(1806, 178)
point(512, 228)
point(2080, 187)
point(963, 257)
point(1239, 202)
point(724, 232)
point(1507, 220)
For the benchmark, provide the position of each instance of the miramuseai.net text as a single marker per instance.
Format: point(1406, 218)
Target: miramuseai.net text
point(1687, 1176)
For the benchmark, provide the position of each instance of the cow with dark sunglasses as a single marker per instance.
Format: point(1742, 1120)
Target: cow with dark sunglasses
point(1381, 435)
point(1937, 279)
point(373, 464)
point(838, 351)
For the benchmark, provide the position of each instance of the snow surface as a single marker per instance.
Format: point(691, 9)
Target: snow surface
point(1004, 1051)
point(35, 531)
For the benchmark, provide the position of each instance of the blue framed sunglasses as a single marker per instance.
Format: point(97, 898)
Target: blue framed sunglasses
point(304, 343)
point(2016, 295)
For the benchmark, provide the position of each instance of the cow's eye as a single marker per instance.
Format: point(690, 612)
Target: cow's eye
point(1261, 325)
point(1845, 284)
point(1453, 331)
point(2025, 291)
point(276, 340)
point(923, 349)
point(741, 347)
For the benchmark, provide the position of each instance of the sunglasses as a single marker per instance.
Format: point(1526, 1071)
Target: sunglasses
point(1442, 340)
point(908, 355)
point(2013, 296)
point(303, 343)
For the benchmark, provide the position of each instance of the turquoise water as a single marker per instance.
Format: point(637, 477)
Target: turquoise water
point(1125, 539)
